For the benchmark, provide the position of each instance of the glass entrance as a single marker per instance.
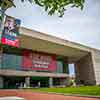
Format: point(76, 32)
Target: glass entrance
point(39, 82)
point(13, 82)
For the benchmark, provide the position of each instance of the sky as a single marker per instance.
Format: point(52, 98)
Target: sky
point(76, 25)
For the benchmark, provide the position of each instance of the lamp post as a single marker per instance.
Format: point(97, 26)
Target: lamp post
point(4, 5)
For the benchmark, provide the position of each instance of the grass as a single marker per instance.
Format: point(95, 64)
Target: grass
point(83, 90)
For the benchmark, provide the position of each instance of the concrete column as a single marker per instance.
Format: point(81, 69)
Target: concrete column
point(1, 52)
point(85, 71)
point(27, 81)
point(96, 65)
point(50, 82)
point(1, 82)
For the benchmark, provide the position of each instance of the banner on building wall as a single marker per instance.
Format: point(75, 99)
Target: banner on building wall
point(38, 61)
point(11, 32)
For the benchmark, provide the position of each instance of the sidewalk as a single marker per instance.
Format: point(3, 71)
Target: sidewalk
point(27, 95)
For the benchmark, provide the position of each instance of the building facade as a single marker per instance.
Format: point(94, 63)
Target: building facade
point(42, 60)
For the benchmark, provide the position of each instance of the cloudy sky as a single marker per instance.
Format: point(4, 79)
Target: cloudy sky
point(76, 25)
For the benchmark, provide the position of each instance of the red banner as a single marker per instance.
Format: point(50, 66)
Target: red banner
point(38, 61)
point(10, 42)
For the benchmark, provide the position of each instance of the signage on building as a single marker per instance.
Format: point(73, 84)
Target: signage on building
point(11, 31)
point(39, 61)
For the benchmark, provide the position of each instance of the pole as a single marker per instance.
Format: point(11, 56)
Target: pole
point(5, 4)
point(2, 13)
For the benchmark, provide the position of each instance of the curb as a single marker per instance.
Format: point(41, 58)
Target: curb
point(76, 95)
point(65, 94)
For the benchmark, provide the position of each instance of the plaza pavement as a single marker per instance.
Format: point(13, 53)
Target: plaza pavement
point(29, 95)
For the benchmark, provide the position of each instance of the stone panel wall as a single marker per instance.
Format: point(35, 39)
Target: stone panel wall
point(96, 62)
point(85, 71)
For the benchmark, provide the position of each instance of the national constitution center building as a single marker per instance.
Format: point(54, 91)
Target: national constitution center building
point(31, 58)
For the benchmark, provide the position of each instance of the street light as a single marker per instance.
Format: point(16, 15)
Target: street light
point(4, 5)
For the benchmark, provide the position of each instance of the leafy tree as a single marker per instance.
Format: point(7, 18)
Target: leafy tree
point(55, 6)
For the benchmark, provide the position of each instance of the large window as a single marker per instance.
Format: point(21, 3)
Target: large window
point(11, 61)
point(11, 58)
point(59, 67)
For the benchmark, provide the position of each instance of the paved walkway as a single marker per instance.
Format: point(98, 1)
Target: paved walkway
point(40, 96)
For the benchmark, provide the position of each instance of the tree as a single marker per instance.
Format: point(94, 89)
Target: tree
point(54, 6)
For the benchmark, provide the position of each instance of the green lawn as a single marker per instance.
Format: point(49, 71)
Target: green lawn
point(83, 90)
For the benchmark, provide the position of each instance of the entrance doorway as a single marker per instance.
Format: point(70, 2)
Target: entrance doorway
point(39, 82)
point(13, 82)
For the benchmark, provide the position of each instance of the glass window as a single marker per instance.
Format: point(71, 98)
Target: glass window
point(59, 67)
point(10, 61)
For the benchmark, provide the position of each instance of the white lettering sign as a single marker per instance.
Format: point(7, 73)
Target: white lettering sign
point(41, 61)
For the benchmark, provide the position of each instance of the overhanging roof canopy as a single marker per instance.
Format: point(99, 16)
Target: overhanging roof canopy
point(45, 43)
